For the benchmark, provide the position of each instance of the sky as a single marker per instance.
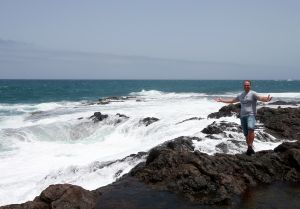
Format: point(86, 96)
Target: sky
point(139, 39)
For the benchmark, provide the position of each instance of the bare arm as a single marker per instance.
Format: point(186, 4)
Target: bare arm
point(264, 99)
point(228, 101)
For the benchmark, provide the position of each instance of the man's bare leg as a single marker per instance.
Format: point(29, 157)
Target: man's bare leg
point(250, 138)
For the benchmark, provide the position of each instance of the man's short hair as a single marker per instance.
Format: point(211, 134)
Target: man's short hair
point(247, 81)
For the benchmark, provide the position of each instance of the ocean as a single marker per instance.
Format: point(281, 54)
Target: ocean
point(47, 136)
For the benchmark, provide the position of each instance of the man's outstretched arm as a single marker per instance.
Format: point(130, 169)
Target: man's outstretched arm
point(228, 101)
point(264, 99)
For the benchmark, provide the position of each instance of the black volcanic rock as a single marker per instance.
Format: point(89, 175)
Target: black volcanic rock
point(98, 117)
point(148, 120)
point(281, 122)
point(227, 111)
point(214, 179)
point(193, 118)
point(285, 146)
point(108, 100)
point(217, 128)
point(293, 103)
point(122, 116)
point(223, 146)
point(238, 143)
point(212, 129)
point(120, 119)
point(61, 196)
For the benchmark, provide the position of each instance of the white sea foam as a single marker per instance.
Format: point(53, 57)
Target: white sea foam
point(289, 95)
point(283, 95)
point(53, 142)
point(167, 95)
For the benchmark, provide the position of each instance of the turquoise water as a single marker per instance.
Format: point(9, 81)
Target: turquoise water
point(36, 91)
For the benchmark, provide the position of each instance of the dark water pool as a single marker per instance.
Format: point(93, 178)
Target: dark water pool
point(274, 196)
point(136, 195)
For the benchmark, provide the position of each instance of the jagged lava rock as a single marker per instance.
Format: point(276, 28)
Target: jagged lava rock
point(61, 196)
point(175, 166)
point(98, 117)
point(217, 128)
point(227, 111)
point(148, 120)
point(189, 119)
point(281, 122)
point(293, 103)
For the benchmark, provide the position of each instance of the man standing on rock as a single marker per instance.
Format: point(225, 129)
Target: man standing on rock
point(248, 100)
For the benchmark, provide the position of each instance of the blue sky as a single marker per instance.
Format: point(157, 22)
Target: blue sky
point(174, 39)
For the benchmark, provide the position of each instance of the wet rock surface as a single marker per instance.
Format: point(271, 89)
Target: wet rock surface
point(292, 103)
point(220, 127)
point(148, 120)
point(61, 196)
point(120, 118)
point(189, 119)
point(98, 116)
point(281, 122)
point(113, 120)
point(176, 167)
point(122, 115)
point(227, 111)
point(107, 100)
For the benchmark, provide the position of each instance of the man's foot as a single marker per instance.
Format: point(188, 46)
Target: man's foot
point(250, 151)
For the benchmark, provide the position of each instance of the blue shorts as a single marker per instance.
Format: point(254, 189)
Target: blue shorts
point(248, 123)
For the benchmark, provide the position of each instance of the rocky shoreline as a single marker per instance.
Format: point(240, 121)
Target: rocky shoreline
point(175, 175)
point(283, 123)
